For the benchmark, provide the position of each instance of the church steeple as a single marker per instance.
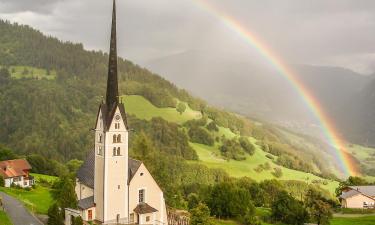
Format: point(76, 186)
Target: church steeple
point(112, 82)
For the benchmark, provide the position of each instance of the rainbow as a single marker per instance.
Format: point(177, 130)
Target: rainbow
point(348, 166)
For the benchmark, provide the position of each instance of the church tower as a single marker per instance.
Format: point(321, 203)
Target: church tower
point(111, 147)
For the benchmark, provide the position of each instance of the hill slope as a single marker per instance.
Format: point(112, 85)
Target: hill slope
point(49, 101)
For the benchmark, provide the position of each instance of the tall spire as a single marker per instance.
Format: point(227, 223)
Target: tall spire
point(112, 82)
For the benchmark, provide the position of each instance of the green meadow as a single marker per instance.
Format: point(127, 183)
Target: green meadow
point(143, 109)
point(18, 72)
point(38, 199)
point(4, 219)
point(363, 220)
point(210, 155)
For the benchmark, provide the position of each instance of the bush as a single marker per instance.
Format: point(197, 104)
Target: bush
point(246, 145)
point(2, 181)
point(277, 172)
point(181, 107)
point(200, 215)
point(212, 127)
point(288, 210)
point(201, 135)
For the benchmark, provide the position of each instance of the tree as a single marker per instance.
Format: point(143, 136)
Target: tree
point(200, 135)
point(288, 210)
point(73, 165)
point(320, 212)
point(318, 207)
point(200, 215)
point(4, 75)
point(212, 126)
point(77, 220)
point(193, 200)
point(181, 107)
point(351, 181)
point(64, 193)
point(250, 218)
point(55, 215)
point(2, 181)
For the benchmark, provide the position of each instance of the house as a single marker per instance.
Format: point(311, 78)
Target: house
point(111, 187)
point(16, 172)
point(358, 197)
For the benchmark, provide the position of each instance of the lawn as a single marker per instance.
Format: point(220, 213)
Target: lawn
point(210, 156)
point(37, 200)
point(143, 109)
point(42, 177)
point(18, 72)
point(365, 220)
point(4, 219)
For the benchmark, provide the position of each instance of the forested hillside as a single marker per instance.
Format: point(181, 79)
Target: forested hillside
point(50, 91)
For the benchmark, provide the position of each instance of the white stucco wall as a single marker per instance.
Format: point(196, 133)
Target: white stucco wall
point(153, 195)
point(356, 202)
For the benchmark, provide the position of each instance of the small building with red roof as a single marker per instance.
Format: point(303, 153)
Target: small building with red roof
point(16, 172)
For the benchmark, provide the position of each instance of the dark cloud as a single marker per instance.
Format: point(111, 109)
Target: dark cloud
point(337, 32)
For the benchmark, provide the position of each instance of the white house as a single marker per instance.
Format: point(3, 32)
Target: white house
point(16, 172)
point(360, 197)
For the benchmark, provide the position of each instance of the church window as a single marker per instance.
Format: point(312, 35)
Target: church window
point(141, 174)
point(100, 150)
point(114, 151)
point(117, 125)
point(114, 138)
point(147, 218)
point(119, 138)
point(118, 187)
point(141, 196)
point(118, 151)
point(100, 138)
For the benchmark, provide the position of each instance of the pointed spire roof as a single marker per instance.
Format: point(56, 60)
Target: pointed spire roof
point(112, 82)
point(108, 108)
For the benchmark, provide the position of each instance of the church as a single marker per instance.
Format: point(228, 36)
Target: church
point(111, 187)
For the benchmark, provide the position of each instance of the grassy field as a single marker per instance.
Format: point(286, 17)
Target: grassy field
point(4, 219)
point(18, 72)
point(37, 200)
point(365, 220)
point(41, 177)
point(210, 156)
point(143, 109)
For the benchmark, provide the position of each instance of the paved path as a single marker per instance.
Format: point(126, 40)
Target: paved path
point(17, 212)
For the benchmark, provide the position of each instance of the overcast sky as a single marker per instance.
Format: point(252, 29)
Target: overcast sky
point(334, 32)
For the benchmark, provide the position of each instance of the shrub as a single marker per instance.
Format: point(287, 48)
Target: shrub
point(2, 181)
point(246, 145)
point(277, 172)
point(201, 135)
point(212, 126)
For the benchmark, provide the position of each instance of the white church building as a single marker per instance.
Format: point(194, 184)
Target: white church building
point(111, 187)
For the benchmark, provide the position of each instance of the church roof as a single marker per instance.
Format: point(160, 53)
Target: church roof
point(86, 203)
point(86, 172)
point(108, 114)
point(144, 208)
point(112, 96)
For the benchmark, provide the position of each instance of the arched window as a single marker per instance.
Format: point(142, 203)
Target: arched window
point(114, 151)
point(114, 138)
point(118, 151)
point(100, 138)
point(119, 138)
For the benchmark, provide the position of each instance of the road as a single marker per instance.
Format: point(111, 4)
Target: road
point(16, 211)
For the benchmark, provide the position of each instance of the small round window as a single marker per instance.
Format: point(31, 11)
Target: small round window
point(141, 174)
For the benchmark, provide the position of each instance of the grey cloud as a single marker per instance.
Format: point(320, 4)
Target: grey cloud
point(38, 6)
point(301, 31)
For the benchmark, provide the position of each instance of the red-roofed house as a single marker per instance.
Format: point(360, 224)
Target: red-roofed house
point(16, 172)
